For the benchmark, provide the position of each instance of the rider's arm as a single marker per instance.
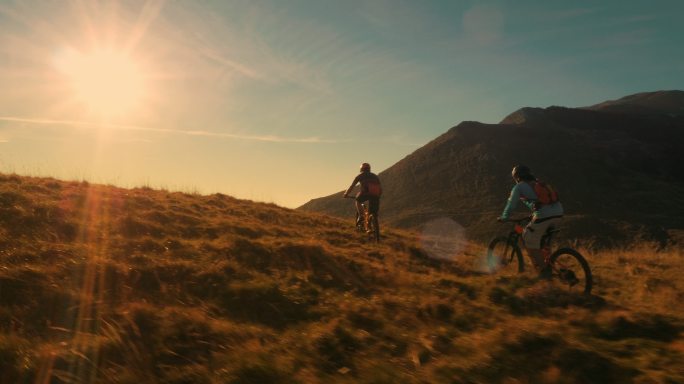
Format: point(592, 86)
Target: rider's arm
point(512, 202)
point(353, 184)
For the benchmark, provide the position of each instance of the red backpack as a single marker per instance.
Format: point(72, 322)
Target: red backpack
point(546, 194)
point(373, 188)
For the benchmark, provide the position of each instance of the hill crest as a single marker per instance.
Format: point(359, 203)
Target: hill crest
point(659, 102)
point(589, 154)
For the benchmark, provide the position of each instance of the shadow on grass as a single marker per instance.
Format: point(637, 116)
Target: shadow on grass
point(149, 345)
point(265, 304)
point(30, 298)
point(540, 301)
point(536, 358)
point(259, 373)
point(16, 363)
point(336, 350)
point(643, 326)
point(465, 289)
point(326, 270)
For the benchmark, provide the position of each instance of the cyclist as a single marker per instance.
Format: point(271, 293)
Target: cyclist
point(544, 216)
point(370, 192)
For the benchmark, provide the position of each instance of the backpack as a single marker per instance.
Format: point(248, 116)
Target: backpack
point(546, 194)
point(373, 188)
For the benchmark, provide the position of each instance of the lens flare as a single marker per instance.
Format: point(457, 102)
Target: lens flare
point(443, 238)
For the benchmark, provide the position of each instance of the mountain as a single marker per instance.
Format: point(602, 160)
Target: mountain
point(107, 285)
point(618, 166)
point(661, 102)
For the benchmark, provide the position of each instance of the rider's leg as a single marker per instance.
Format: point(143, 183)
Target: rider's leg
point(359, 212)
point(374, 205)
point(374, 209)
point(532, 241)
point(536, 257)
point(360, 209)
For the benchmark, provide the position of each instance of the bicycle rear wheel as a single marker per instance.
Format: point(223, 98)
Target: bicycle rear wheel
point(571, 271)
point(501, 255)
point(373, 228)
point(359, 225)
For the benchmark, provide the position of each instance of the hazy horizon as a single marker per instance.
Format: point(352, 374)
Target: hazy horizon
point(281, 103)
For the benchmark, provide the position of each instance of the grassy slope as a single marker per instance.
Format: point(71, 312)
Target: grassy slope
point(100, 284)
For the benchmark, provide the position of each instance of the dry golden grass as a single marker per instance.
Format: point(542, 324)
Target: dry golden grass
point(107, 285)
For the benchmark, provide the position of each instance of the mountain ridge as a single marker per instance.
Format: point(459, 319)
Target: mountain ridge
point(587, 153)
point(668, 102)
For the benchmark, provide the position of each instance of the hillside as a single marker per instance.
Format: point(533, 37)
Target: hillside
point(106, 285)
point(620, 174)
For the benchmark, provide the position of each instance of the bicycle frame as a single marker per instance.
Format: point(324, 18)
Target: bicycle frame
point(515, 238)
point(366, 215)
point(366, 224)
point(558, 270)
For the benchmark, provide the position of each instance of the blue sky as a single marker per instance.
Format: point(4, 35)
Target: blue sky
point(281, 100)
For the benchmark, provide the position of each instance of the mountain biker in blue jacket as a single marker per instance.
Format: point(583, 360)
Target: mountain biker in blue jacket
point(543, 216)
point(370, 191)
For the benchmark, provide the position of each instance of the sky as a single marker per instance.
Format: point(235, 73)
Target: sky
point(280, 101)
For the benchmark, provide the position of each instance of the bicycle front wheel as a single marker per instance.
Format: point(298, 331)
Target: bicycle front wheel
point(501, 255)
point(571, 271)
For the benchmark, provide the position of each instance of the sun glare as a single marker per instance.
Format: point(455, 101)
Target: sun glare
point(108, 82)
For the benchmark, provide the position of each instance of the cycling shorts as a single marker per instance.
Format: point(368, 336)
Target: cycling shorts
point(373, 202)
point(534, 231)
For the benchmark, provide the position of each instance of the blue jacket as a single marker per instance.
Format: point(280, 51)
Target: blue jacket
point(524, 192)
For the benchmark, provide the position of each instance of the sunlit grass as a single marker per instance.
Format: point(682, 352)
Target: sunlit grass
point(100, 284)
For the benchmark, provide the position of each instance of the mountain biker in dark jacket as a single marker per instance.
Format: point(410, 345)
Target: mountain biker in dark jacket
point(370, 191)
point(543, 216)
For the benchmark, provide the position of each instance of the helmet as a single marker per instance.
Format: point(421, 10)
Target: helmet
point(365, 167)
point(520, 171)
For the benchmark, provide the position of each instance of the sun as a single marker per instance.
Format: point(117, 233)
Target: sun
point(108, 82)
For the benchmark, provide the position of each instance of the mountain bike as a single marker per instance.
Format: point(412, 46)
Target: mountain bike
point(368, 224)
point(568, 267)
